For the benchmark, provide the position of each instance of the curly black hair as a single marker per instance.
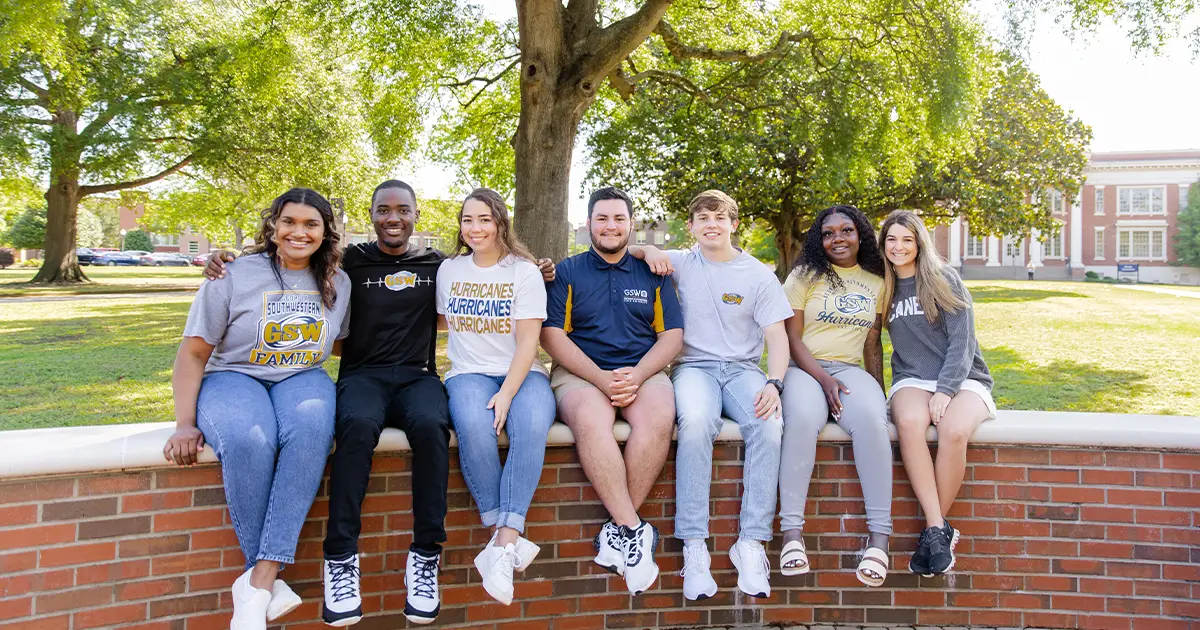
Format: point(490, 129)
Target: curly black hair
point(813, 261)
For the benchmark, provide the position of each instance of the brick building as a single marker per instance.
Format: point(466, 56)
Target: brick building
point(187, 242)
point(643, 233)
point(1126, 213)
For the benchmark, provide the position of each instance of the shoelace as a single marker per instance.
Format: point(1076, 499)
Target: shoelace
point(692, 556)
point(507, 563)
point(760, 557)
point(343, 580)
point(631, 546)
point(937, 539)
point(425, 580)
point(612, 536)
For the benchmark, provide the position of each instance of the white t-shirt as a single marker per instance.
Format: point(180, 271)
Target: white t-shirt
point(482, 305)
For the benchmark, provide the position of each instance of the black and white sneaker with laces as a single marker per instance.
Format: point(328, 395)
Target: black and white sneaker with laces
point(639, 544)
point(919, 563)
point(941, 549)
point(343, 600)
point(610, 553)
point(421, 580)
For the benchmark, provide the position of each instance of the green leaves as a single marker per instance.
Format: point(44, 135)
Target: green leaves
point(1187, 242)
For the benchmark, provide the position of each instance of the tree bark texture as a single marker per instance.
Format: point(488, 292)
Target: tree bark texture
point(59, 264)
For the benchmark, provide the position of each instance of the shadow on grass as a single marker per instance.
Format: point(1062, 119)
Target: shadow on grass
point(990, 293)
point(1061, 385)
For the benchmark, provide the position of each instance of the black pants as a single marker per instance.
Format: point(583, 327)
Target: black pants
point(409, 399)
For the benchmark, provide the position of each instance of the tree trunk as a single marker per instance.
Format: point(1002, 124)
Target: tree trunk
point(788, 241)
point(545, 140)
point(59, 264)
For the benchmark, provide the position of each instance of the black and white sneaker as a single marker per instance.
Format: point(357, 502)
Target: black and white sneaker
point(639, 544)
point(610, 552)
point(343, 600)
point(919, 563)
point(941, 549)
point(421, 580)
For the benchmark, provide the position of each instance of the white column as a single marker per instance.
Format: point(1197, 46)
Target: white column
point(1035, 248)
point(993, 245)
point(1075, 247)
point(955, 254)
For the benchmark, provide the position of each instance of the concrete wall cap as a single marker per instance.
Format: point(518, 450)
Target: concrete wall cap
point(40, 452)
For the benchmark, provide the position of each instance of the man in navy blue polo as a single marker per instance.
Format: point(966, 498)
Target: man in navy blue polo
point(612, 327)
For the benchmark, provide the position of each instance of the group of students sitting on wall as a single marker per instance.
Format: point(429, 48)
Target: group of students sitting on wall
point(667, 340)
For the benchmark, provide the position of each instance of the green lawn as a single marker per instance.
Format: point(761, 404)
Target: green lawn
point(1054, 346)
point(14, 281)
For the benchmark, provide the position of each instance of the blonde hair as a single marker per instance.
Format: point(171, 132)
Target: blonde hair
point(713, 200)
point(506, 240)
point(933, 289)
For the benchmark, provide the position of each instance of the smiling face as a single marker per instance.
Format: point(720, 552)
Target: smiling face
point(394, 213)
point(299, 232)
point(609, 226)
point(478, 226)
point(900, 246)
point(839, 237)
point(713, 229)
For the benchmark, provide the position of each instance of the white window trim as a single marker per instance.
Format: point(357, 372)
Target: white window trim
point(1098, 196)
point(1142, 214)
point(966, 241)
point(1098, 232)
point(1062, 244)
point(1142, 223)
point(1152, 257)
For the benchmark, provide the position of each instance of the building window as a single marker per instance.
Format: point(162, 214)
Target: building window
point(1142, 200)
point(166, 240)
point(1056, 202)
point(1099, 200)
point(975, 246)
point(1141, 244)
point(193, 247)
point(660, 238)
point(1183, 197)
point(1098, 251)
point(641, 237)
point(1012, 249)
point(1054, 244)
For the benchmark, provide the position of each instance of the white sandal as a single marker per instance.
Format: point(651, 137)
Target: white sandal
point(793, 560)
point(873, 568)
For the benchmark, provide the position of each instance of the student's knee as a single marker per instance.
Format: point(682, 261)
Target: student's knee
point(358, 431)
point(910, 418)
point(954, 434)
point(695, 423)
point(427, 426)
point(250, 443)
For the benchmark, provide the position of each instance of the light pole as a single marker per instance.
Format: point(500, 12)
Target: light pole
point(123, 231)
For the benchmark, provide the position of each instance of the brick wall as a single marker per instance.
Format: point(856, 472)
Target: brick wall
point(1054, 537)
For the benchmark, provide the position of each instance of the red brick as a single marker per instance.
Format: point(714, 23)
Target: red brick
point(18, 515)
point(1061, 457)
point(37, 536)
point(1054, 583)
point(183, 605)
point(78, 554)
point(1182, 499)
point(83, 508)
point(1137, 534)
point(114, 484)
point(1077, 602)
point(1023, 456)
point(1098, 622)
point(1059, 494)
point(110, 617)
point(75, 599)
point(1190, 572)
point(1097, 586)
point(60, 622)
point(1049, 619)
point(112, 572)
point(209, 475)
point(23, 584)
point(1106, 514)
point(1132, 459)
point(127, 591)
point(1145, 570)
point(19, 561)
point(998, 473)
point(15, 608)
point(1163, 517)
point(156, 501)
point(1108, 477)
point(1136, 497)
point(1054, 475)
point(1181, 461)
point(1163, 479)
point(190, 519)
point(1027, 601)
point(45, 490)
point(1089, 549)
point(185, 562)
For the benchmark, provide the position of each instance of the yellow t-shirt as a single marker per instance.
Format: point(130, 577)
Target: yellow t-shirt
point(836, 321)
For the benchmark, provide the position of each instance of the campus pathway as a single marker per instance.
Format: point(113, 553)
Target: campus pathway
point(146, 295)
point(1164, 290)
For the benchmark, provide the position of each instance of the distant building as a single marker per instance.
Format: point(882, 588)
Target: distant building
point(1126, 213)
point(186, 242)
point(418, 238)
point(643, 233)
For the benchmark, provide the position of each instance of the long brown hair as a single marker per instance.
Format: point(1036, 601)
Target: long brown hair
point(933, 289)
point(325, 261)
point(506, 241)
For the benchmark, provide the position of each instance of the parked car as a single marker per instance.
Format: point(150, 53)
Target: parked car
point(159, 259)
point(137, 253)
point(200, 260)
point(112, 259)
point(85, 255)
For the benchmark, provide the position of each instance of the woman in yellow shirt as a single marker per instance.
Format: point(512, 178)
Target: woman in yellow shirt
point(834, 291)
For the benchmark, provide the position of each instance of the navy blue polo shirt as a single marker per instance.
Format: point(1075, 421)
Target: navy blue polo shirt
point(612, 311)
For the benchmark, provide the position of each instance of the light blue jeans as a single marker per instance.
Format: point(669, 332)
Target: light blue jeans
point(704, 390)
point(502, 494)
point(272, 440)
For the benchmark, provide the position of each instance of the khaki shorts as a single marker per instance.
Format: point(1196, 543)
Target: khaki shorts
point(564, 382)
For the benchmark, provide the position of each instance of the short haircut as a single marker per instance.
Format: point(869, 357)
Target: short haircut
point(713, 201)
point(393, 183)
point(609, 192)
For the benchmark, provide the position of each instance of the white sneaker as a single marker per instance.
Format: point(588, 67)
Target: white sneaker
point(283, 600)
point(526, 551)
point(698, 582)
point(249, 605)
point(421, 580)
point(610, 553)
point(640, 569)
point(343, 600)
point(496, 565)
point(754, 570)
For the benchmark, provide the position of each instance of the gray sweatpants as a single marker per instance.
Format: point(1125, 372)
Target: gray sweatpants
point(864, 417)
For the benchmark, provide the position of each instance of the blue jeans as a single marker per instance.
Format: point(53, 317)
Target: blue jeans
point(502, 494)
point(704, 390)
point(272, 440)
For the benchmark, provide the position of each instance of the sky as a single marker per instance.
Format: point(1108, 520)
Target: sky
point(1133, 101)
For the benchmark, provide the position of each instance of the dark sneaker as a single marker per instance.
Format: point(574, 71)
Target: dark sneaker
point(919, 563)
point(941, 549)
point(343, 601)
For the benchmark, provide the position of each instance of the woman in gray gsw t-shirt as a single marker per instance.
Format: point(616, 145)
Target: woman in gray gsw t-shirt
point(248, 381)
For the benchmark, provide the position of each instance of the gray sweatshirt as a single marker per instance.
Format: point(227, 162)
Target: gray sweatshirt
point(946, 352)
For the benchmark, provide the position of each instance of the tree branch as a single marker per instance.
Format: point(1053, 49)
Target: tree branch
point(30, 120)
point(603, 50)
point(679, 50)
point(20, 102)
point(42, 93)
point(487, 81)
point(103, 188)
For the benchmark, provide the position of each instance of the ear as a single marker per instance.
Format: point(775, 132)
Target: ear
point(733, 226)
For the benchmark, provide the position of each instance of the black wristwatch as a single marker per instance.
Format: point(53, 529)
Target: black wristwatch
point(777, 383)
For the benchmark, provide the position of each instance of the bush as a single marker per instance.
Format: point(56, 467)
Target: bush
point(7, 257)
point(1091, 275)
point(29, 230)
point(35, 263)
point(138, 240)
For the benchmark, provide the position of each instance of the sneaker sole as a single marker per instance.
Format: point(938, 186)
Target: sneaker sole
point(342, 623)
point(285, 610)
point(653, 549)
point(736, 558)
point(953, 558)
point(418, 617)
point(616, 569)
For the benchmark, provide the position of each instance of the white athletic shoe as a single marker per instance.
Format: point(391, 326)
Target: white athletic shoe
point(249, 605)
point(610, 552)
point(698, 582)
point(754, 570)
point(343, 599)
point(526, 551)
point(640, 569)
point(283, 600)
point(421, 580)
point(496, 565)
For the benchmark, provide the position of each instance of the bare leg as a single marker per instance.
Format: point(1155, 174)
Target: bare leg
point(910, 412)
point(964, 414)
point(651, 418)
point(591, 416)
point(263, 574)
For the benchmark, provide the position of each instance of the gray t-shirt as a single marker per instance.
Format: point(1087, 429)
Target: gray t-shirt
point(726, 306)
point(265, 330)
point(946, 352)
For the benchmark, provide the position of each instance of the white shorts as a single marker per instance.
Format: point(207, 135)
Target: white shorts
point(968, 385)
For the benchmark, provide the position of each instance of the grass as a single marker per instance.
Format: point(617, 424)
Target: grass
point(1052, 346)
point(14, 282)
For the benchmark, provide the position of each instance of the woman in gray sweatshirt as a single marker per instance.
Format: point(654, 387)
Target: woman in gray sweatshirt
point(938, 377)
